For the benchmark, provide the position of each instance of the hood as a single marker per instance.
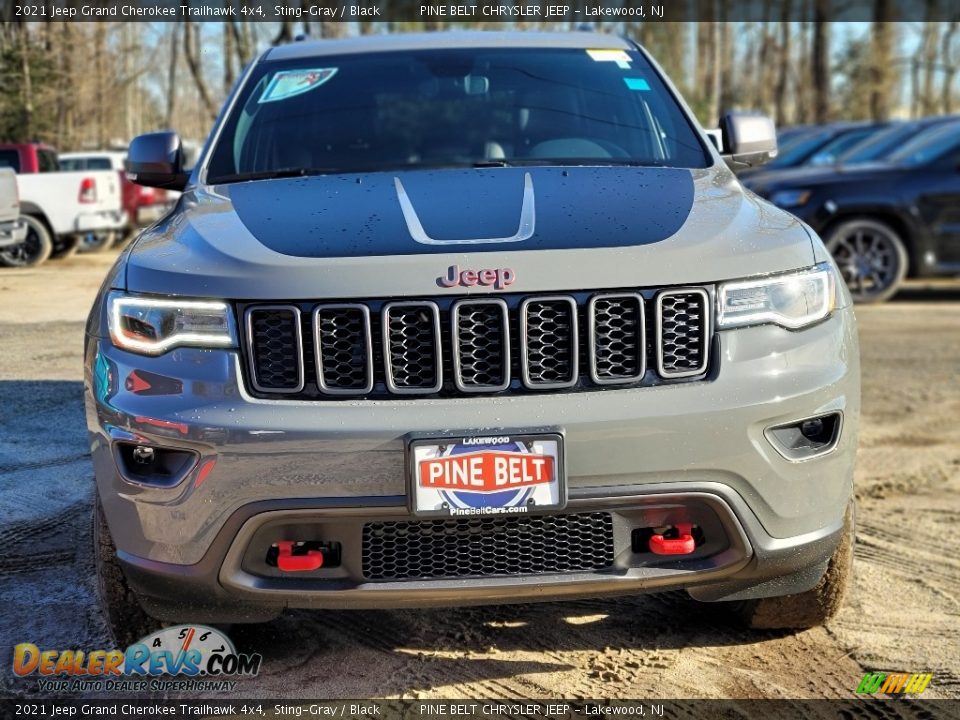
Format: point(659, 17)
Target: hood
point(762, 183)
point(397, 233)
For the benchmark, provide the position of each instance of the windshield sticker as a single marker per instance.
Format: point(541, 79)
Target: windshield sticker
point(290, 83)
point(637, 84)
point(617, 56)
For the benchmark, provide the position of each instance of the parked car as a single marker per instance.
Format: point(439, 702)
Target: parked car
point(789, 134)
point(13, 230)
point(816, 148)
point(883, 221)
point(61, 207)
point(884, 143)
point(143, 205)
point(462, 318)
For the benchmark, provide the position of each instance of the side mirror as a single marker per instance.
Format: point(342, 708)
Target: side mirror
point(156, 160)
point(748, 138)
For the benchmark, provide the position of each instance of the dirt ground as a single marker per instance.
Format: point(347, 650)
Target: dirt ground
point(903, 615)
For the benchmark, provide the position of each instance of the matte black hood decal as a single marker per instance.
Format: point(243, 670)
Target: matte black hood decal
point(361, 215)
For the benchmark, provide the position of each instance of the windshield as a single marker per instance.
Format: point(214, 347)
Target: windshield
point(797, 150)
point(928, 145)
point(453, 108)
point(878, 146)
point(828, 154)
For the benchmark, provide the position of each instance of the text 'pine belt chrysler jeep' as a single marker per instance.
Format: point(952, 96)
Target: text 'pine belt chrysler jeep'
point(469, 318)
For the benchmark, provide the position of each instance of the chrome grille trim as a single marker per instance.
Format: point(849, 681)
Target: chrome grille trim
point(641, 339)
point(388, 349)
point(504, 338)
point(251, 350)
point(574, 349)
point(705, 331)
point(318, 349)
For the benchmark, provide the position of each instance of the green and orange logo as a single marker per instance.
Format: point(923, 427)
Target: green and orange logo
point(894, 683)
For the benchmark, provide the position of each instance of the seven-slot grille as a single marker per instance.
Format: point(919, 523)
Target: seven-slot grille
point(478, 345)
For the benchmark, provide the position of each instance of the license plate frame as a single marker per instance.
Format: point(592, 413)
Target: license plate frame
point(515, 499)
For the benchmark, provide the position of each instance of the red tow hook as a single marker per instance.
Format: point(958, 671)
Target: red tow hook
point(288, 562)
point(683, 544)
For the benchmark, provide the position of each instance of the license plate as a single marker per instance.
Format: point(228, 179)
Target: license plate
point(488, 475)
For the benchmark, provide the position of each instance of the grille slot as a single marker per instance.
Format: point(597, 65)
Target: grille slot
point(488, 546)
point(411, 347)
point(344, 351)
point(480, 333)
point(617, 338)
point(548, 342)
point(275, 348)
point(683, 331)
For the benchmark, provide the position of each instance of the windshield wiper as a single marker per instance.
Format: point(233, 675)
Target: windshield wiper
point(272, 174)
point(490, 163)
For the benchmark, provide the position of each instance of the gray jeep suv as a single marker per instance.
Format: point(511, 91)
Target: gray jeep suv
point(461, 319)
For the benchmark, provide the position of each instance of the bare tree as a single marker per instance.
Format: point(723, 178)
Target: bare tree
point(929, 47)
point(172, 75)
point(191, 52)
point(820, 60)
point(881, 74)
point(27, 87)
point(951, 59)
point(783, 70)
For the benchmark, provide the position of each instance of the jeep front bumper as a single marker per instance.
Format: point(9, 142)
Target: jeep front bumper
point(340, 465)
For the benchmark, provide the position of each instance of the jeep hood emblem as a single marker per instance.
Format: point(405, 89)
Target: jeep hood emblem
point(415, 228)
point(497, 277)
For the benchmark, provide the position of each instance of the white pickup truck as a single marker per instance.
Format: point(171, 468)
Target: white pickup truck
point(13, 231)
point(59, 208)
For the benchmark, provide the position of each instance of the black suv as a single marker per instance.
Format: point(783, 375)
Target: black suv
point(883, 221)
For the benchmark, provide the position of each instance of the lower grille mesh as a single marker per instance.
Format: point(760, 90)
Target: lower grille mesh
point(487, 546)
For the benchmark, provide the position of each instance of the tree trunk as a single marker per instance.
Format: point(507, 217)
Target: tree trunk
point(882, 76)
point(783, 71)
point(931, 30)
point(172, 75)
point(726, 96)
point(191, 53)
point(820, 69)
point(27, 89)
point(950, 62)
point(228, 75)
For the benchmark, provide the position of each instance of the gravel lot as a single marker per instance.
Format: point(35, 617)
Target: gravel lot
point(903, 616)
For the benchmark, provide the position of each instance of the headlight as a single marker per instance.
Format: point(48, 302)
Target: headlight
point(793, 300)
point(790, 198)
point(151, 326)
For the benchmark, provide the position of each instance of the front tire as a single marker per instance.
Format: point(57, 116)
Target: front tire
point(125, 618)
point(871, 256)
point(34, 250)
point(813, 607)
point(66, 247)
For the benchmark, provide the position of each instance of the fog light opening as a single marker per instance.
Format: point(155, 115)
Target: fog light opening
point(144, 464)
point(806, 438)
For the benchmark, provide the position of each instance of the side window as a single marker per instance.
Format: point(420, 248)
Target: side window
point(47, 161)
point(10, 159)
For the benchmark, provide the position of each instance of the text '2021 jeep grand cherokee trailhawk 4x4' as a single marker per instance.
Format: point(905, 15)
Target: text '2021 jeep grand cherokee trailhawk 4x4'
point(469, 318)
